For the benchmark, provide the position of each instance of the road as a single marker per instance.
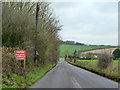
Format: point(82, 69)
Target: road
point(65, 75)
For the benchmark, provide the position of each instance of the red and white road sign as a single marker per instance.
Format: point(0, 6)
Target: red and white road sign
point(20, 55)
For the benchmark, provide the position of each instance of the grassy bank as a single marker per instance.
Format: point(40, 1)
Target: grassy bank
point(15, 81)
point(71, 48)
point(91, 65)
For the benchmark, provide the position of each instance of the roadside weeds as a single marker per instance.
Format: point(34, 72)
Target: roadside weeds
point(108, 74)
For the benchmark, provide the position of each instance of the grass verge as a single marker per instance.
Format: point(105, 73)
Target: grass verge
point(15, 81)
point(91, 65)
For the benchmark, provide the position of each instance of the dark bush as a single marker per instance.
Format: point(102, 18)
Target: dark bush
point(116, 54)
point(65, 56)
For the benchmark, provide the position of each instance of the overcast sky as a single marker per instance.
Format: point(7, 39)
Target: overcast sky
point(88, 22)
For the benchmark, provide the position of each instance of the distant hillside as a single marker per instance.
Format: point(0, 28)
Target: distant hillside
point(71, 48)
point(78, 43)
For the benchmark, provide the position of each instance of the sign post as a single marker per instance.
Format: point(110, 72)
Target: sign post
point(24, 64)
point(20, 55)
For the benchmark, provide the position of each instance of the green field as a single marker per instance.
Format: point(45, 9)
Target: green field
point(72, 48)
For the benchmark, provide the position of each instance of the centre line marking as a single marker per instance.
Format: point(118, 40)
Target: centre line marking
point(75, 83)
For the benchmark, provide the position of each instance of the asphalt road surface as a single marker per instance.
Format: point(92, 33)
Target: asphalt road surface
point(65, 75)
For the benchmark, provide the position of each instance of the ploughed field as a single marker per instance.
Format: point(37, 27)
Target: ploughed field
point(108, 50)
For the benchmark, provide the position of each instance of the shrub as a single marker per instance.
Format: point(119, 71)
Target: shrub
point(104, 60)
point(116, 54)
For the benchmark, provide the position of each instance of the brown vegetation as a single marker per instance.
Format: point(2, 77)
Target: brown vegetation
point(105, 60)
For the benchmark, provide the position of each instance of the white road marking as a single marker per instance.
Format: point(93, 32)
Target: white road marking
point(75, 83)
